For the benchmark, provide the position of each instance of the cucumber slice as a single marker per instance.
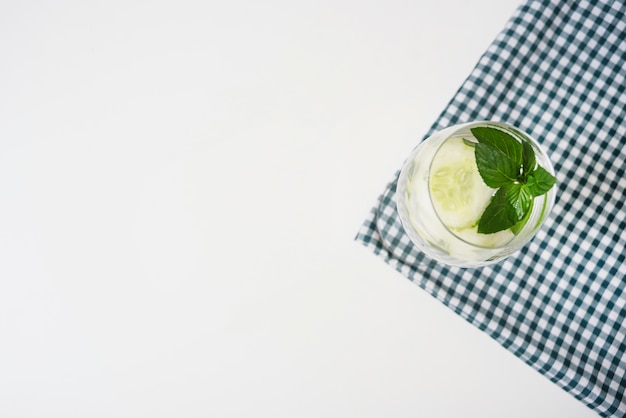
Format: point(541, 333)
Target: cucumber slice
point(458, 192)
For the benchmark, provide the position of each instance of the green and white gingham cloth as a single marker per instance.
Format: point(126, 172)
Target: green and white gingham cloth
point(557, 71)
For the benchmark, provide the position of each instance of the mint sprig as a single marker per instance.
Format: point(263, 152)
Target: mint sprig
point(509, 165)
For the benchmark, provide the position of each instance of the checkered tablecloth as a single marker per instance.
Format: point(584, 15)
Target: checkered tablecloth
point(557, 71)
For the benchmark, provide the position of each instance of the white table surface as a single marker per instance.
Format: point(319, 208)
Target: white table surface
point(180, 186)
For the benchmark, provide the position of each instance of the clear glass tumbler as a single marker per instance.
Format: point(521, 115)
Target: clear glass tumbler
point(439, 236)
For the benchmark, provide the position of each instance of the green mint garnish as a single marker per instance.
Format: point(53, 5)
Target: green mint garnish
point(518, 196)
point(508, 147)
point(495, 168)
point(506, 164)
point(528, 159)
point(498, 215)
point(520, 224)
point(540, 181)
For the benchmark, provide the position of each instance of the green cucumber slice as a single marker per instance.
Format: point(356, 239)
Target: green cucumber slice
point(458, 193)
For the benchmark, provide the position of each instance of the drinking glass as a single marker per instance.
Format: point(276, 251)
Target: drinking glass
point(426, 229)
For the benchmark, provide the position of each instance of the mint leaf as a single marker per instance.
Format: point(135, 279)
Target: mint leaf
point(520, 225)
point(495, 168)
point(540, 181)
point(502, 141)
point(506, 161)
point(498, 215)
point(528, 159)
point(520, 198)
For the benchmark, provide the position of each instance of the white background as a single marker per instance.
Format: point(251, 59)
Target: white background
point(180, 186)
